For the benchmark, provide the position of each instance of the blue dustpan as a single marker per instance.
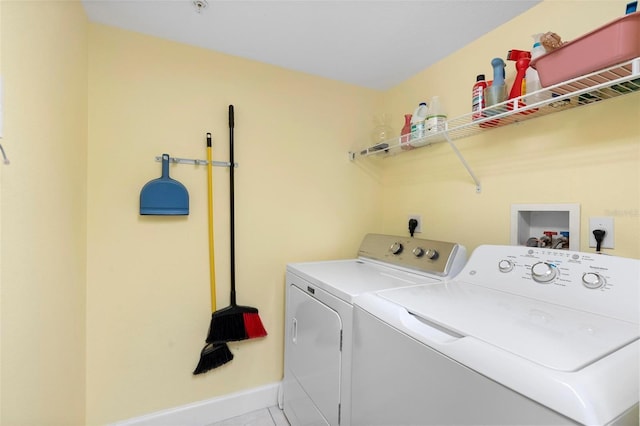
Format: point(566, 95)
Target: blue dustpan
point(164, 196)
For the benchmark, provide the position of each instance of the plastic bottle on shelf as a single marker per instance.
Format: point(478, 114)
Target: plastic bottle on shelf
point(437, 117)
point(405, 134)
point(417, 121)
point(532, 80)
point(496, 91)
point(381, 129)
point(477, 98)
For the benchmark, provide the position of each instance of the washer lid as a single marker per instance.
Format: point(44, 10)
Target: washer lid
point(554, 336)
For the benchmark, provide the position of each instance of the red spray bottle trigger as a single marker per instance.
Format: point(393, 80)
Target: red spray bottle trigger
point(522, 59)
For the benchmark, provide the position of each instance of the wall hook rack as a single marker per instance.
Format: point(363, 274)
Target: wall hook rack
point(194, 162)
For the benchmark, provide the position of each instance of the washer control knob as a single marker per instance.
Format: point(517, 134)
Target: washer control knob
point(593, 280)
point(543, 272)
point(418, 252)
point(396, 248)
point(505, 265)
point(431, 254)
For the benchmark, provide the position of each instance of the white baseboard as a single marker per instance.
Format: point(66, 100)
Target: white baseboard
point(210, 411)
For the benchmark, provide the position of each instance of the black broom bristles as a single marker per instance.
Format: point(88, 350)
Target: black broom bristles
point(235, 323)
point(213, 356)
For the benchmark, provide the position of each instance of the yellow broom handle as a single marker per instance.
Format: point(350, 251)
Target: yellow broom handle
point(212, 263)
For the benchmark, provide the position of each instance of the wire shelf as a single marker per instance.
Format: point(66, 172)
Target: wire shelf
point(612, 82)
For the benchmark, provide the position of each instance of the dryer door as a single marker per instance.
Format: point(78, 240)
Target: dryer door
point(314, 351)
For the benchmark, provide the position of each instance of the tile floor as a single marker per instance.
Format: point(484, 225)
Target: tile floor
point(272, 416)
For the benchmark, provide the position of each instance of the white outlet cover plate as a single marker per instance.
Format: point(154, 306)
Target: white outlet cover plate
point(605, 223)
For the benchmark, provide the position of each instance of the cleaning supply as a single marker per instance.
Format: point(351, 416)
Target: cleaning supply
point(436, 117)
point(490, 123)
point(522, 59)
point(213, 354)
point(477, 97)
point(496, 92)
point(532, 79)
point(405, 134)
point(498, 72)
point(234, 322)
point(418, 121)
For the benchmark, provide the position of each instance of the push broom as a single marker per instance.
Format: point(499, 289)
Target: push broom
point(234, 322)
point(213, 354)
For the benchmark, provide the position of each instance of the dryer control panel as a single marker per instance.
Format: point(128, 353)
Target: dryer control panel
point(607, 285)
point(434, 257)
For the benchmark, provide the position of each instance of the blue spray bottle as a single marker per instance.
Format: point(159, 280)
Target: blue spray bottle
point(498, 71)
point(497, 91)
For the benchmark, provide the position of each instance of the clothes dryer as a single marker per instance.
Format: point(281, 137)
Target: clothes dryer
point(319, 311)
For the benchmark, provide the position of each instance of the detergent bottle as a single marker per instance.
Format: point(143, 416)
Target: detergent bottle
point(437, 117)
point(532, 80)
point(418, 121)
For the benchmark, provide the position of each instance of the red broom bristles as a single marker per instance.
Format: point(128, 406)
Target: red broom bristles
point(253, 325)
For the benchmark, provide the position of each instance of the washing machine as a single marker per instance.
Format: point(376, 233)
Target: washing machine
point(319, 317)
point(520, 336)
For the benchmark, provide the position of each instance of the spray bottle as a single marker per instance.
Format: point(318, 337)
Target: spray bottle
point(496, 92)
point(522, 59)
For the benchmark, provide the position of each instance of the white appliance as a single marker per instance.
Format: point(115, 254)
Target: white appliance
point(319, 311)
point(520, 336)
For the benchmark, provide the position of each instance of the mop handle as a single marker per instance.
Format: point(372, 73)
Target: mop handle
point(232, 207)
point(212, 263)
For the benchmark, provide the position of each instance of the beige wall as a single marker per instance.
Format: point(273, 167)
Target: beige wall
point(589, 156)
point(298, 197)
point(1, 118)
point(42, 213)
point(142, 310)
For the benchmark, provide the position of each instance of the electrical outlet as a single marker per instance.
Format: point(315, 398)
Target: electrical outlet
point(604, 223)
point(419, 219)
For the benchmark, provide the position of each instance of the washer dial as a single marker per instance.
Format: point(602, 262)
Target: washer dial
point(418, 252)
point(593, 280)
point(505, 265)
point(544, 272)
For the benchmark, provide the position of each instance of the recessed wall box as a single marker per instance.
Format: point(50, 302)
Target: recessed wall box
point(530, 221)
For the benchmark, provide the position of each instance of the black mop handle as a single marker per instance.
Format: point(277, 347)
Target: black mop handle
point(231, 207)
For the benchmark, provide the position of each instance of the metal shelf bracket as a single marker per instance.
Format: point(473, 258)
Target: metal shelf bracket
point(5, 160)
point(464, 163)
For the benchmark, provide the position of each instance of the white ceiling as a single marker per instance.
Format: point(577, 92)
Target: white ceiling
point(370, 43)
